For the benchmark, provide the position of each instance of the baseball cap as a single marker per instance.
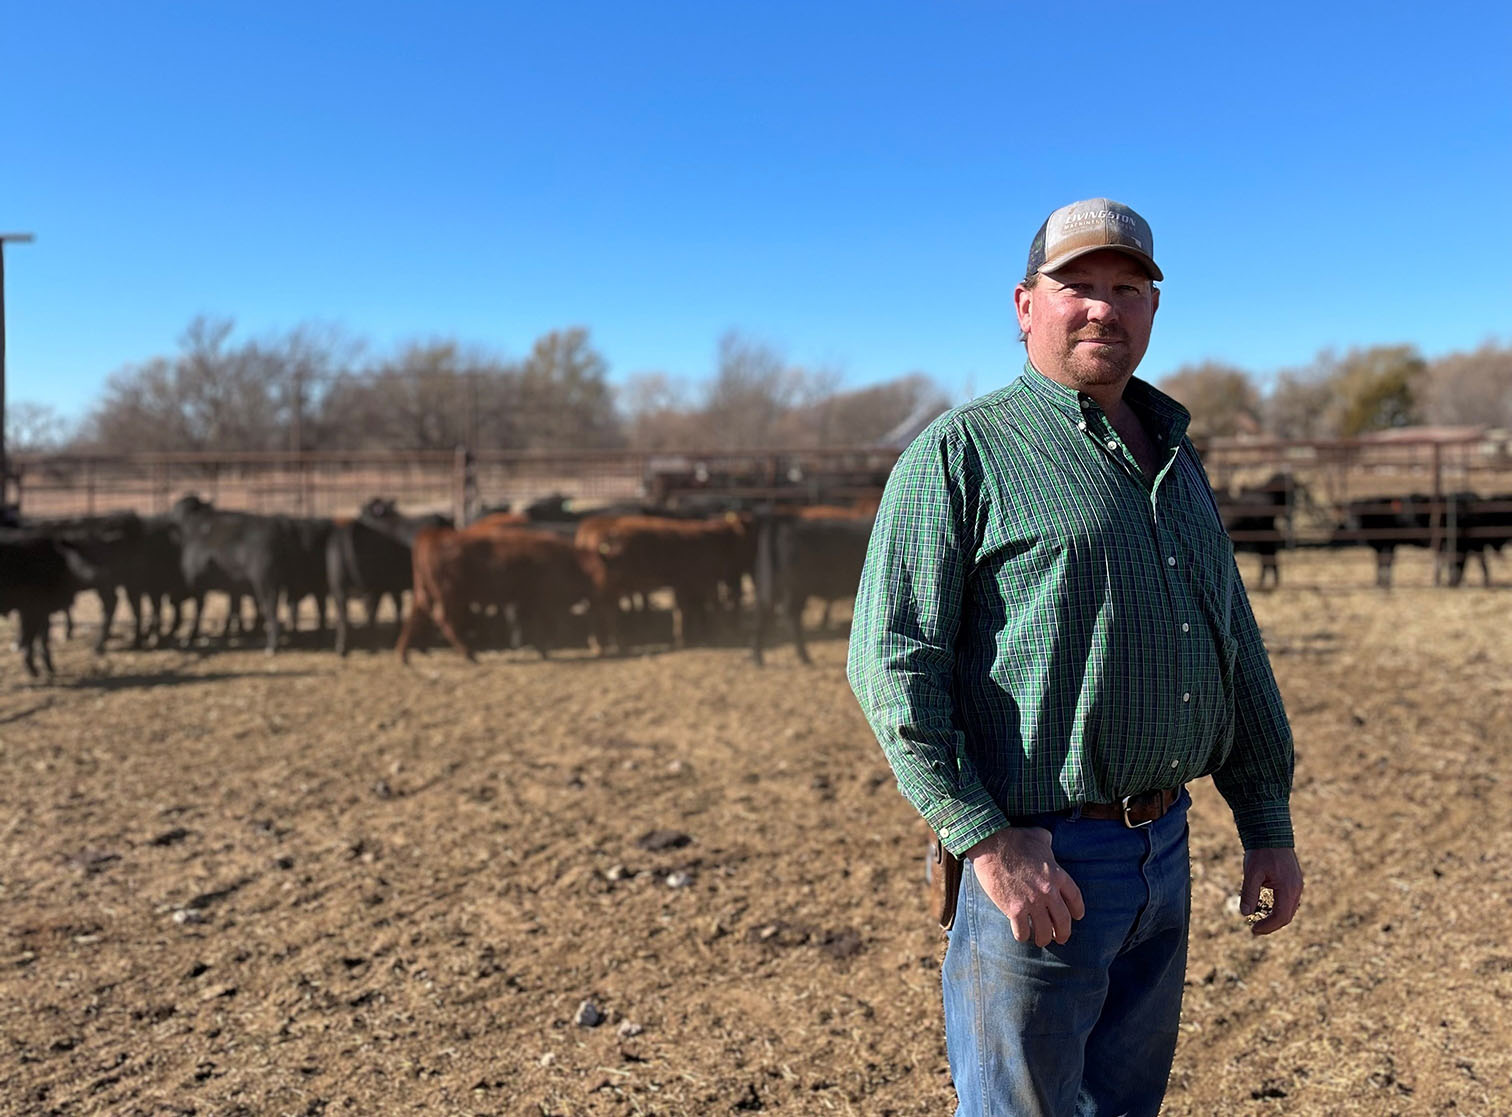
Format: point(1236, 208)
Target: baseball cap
point(1089, 226)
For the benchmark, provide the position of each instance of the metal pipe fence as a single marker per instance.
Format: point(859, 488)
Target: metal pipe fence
point(1319, 480)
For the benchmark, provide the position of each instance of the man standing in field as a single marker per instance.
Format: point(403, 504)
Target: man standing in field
point(1050, 640)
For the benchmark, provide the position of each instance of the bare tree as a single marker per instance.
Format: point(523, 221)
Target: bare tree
point(33, 428)
point(1222, 398)
point(1470, 388)
point(208, 397)
point(1297, 404)
point(428, 396)
point(894, 409)
point(752, 391)
point(658, 414)
point(214, 395)
point(1339, 397)
point(564, 398)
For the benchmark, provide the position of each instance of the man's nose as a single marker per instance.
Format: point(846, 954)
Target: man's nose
point(1100, 308)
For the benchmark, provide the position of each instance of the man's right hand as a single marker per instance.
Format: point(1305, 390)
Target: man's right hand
point(1017, 869)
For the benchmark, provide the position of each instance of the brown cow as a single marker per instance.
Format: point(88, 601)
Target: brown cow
point(643, 554)
point(541, 575)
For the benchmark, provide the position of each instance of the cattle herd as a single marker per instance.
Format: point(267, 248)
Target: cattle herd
point(1264, 519)
point(546, 577)
point(542, 577)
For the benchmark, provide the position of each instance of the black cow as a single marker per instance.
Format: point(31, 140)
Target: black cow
point(1257, 517)
point(160, 578)
point(798, 559)
point(235, 553)
point(369, 557)
point(306, 573)
point(1383, 524)
point(131, 557)
point(38, 577)
point(108, 546)
point(1479, 524)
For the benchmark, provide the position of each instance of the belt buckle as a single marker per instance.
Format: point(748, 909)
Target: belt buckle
point(1128, 801)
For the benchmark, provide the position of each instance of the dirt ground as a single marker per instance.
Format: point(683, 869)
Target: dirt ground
point(231, 884)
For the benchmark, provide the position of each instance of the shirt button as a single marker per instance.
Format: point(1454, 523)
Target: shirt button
point(1185, 627)
point(1170, 560)
point(1173, 764)
point(1187, 697)
point(1081, 426)
point(944, 831)
point(1112, 445)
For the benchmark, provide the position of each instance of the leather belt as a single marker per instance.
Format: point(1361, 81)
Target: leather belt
point(1135, 811)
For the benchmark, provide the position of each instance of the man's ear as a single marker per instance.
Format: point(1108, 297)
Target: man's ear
point(1023, 297)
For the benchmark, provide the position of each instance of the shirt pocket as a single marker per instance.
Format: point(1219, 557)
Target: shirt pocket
point(1210, 556)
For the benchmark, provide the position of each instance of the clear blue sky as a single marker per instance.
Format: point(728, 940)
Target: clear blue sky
point(854, 183)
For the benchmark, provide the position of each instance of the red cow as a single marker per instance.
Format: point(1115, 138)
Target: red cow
point(541, 575)
point(643, 554)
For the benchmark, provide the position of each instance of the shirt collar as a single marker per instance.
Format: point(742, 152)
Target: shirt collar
point(1166, 418)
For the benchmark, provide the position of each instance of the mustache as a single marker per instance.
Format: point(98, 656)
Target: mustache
point(1096, 334)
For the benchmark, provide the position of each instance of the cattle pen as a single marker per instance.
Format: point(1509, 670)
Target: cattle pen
point(674, 882)
point(1442, 466)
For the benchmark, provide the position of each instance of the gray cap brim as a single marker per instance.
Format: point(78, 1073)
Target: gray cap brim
point(1066, 257)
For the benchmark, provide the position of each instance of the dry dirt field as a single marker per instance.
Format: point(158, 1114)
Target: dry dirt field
point(239, 885)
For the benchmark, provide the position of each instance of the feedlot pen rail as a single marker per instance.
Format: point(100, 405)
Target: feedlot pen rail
point(1324, 477)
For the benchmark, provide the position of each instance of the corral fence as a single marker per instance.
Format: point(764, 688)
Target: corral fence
point(1306, 485)
point(329, 483)
point(1316, 488)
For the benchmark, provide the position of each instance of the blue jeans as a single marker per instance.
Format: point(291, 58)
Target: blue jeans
point(1086, 1028)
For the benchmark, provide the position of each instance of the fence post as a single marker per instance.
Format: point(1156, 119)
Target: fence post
point(464, 484)
point(1435, 530)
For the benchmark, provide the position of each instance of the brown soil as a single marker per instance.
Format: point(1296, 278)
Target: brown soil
point(239, 885)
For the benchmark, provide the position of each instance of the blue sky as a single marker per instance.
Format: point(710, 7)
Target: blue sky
point(855, 184)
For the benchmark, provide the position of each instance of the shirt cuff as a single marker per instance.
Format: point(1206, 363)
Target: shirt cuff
point(1265, 824)
point(962, 823)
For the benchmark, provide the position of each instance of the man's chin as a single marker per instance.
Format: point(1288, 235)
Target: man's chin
point(1109, 369)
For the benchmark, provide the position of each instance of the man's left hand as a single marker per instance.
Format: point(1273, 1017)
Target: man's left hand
point(1278, 870)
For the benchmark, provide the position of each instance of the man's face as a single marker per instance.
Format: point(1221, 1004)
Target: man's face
point(1088, 323)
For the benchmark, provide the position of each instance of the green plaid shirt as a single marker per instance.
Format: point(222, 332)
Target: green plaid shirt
point(1038, 625)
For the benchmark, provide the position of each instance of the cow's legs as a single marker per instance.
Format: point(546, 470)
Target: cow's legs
point(414, 624)
point(535, 628)
point(371, 603)
point(292, 603)
point(107, 616)
point(338, 595)
point(1383, 568)
point(233, 617)
point(443, 622)
point(1269, 565)
point(42, 639)
point(152, 607)
point(26, 636)
point(194, 626)
point(795, 606)
point(267, 602)
point(168, 632)
point(134, 603)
